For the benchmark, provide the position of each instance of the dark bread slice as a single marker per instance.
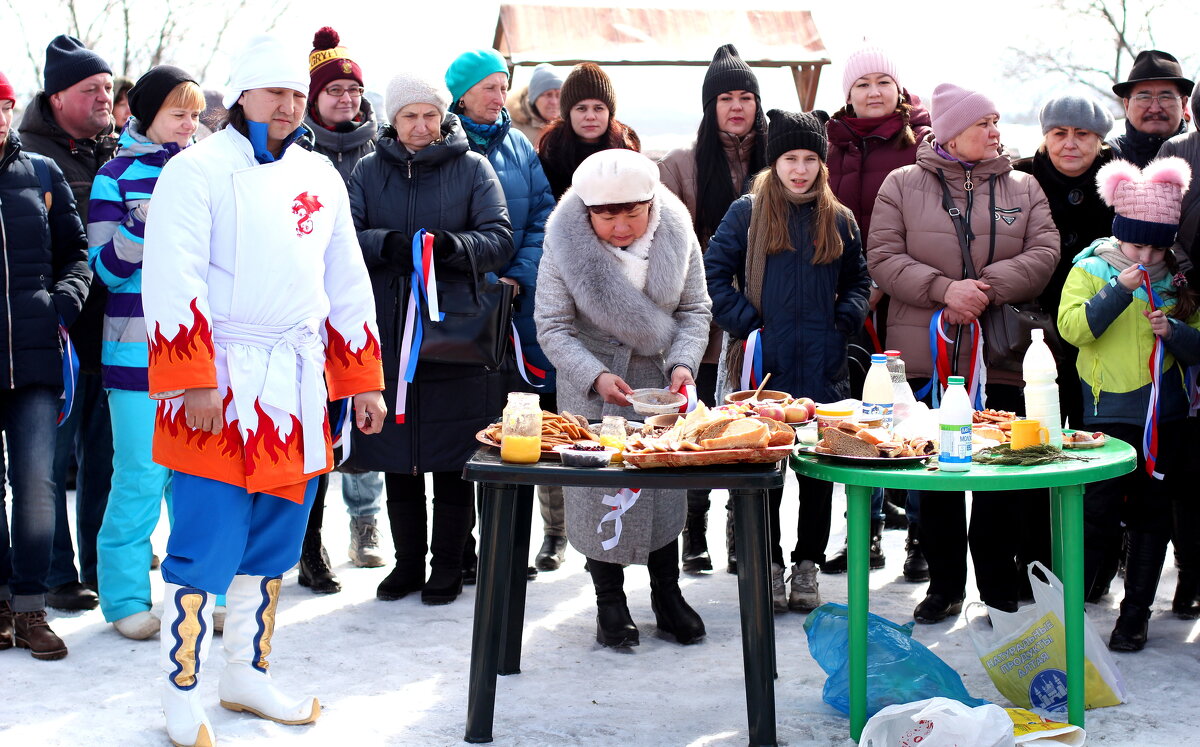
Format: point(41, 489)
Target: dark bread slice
point(848, 445)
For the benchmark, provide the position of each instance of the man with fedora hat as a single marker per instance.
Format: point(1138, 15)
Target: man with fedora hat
point(1154, 96)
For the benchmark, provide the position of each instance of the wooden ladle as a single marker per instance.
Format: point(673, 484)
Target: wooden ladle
point(763, 383)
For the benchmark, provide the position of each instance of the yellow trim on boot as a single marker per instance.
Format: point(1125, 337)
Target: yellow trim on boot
point(187, 636)
point(202, 739)
point(271, 588)
point(310, 718)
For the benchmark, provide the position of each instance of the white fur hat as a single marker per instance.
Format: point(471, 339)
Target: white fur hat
point(410, 88)
point(615, 176)
point(266, 62)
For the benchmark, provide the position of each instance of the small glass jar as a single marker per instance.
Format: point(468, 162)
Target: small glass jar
point(612, 433)
point(521, 429)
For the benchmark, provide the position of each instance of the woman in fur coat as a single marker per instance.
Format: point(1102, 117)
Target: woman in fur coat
point(622, 305)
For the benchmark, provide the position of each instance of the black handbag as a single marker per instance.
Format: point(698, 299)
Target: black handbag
point(1007, 327)
point(476, 324)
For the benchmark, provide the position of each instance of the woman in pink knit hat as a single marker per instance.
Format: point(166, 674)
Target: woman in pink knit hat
point(1125, 296)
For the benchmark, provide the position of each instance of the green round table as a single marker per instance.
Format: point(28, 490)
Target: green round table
point(1065, 480)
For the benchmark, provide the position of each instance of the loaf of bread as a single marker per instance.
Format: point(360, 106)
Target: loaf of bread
point(746, 433)
point(782, 434)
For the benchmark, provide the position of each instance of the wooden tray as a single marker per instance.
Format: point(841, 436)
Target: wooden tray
point(706, 458)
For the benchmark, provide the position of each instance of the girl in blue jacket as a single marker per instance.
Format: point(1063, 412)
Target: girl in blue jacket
point(787, 262)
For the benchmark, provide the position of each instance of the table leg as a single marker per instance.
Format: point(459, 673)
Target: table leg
point(1071, 517)
point(492, 589)
point(858, 540)
point(758, 621)
point(1056, 532)
point(514, 615)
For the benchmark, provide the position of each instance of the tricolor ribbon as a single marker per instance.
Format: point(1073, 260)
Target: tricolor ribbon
point(423, 286)
point(752, 363)
point(342, 428)
point(1191, 384)
point(621, 502)
point(70, 373)
point(688, 391)
point(524, 367)
point(1150, 435)
point(869, 326)
point(940, 345)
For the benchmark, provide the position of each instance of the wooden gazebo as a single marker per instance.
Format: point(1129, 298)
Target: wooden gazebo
point(566, 35)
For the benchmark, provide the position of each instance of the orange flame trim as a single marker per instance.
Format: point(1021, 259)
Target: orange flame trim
point(229, 440)
point(339, 349)
point(265, 442)
point(186, 343)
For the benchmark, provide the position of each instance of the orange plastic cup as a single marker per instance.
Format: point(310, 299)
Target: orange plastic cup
point(1026, 433)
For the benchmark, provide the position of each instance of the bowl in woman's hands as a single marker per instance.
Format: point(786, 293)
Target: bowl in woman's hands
point(656, 401)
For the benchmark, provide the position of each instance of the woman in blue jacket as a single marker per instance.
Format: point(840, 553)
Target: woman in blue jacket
point(795, 254)
point(478, 82)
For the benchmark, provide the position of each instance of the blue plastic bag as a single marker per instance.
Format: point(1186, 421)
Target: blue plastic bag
point(899, 669)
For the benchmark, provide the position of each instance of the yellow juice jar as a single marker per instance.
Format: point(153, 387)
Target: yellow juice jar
point(612, 433)
point(521, 429)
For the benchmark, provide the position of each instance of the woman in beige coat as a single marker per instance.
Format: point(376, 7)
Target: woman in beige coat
point(913, 253)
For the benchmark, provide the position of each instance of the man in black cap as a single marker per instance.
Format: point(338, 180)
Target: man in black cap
point(1154, 97)
point(70, 122)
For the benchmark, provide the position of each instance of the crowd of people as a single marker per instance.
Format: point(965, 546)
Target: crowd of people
point(218, 314)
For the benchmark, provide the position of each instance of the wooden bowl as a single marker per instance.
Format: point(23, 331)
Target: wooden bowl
point(763, 396)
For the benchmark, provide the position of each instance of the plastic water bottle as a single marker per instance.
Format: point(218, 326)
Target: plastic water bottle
point(901, 391)
point(1041, 392)
point(878, 401)
point(955, 418)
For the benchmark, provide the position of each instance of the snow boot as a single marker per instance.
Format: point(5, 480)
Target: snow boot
point(916, 569)
point(730, 545)
point(451, 526)
point(553, 553)
point(779, 600)
point(31, 631)
point(246, 685)
point(139, 626)
point(894, 515)
point(1147, 551)
point(805, 595)
point(6, 625)
point(186, 634)
point(364, 543)
point(695, 543)
point(614, 624)
point(407, 519)
point(672, 614)
point(839, 563)
point(936, 607)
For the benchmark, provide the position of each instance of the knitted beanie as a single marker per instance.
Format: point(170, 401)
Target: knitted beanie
point(864, 62)
point(1079, 111)
point(586, 81)
point(151, 90)
point(329, 62)
point(615, 176)
point(543, 79)
point(410, 88)
point(471, 67)
point(1147, 202)
point(6, 89)
point(68, 62)
point(265, 62)
point(954, 109)
point(789, 131)
point(727, 72)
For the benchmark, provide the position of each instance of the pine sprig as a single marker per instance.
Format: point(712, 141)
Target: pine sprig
point(1004, 454)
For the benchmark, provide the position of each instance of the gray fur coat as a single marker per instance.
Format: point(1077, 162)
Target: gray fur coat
point(591, 320)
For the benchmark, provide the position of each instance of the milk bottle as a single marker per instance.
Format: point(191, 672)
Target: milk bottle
point(1041, 392)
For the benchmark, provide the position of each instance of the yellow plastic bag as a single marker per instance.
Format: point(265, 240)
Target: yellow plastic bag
point(1031, 729)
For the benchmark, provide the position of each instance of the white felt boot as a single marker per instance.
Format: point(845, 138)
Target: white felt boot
point(246, 684)
point(186, 635)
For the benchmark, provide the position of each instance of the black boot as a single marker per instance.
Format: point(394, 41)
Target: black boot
point(314, 561)
point(1144, 562)
point(695, 542)
point(1187, 559)
point(552, 554)
point(1184, 604)
point(672, 613)
point(839, 563)
point(730, 546)
point(470, 559)
point(451, 525)
point(894, 515)
point(916, 569)
point(407, 519)
point(614, 624)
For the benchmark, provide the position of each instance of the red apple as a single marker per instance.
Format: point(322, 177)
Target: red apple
point(812, 407)
point(795, 413)
point(774, 412)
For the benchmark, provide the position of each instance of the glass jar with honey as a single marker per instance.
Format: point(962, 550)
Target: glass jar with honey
point(612, 433)
point(521, 429)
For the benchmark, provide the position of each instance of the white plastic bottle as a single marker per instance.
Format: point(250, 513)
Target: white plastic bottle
point(901, 391)
point(1041, 392)
point(878, 401)
point(955, 418)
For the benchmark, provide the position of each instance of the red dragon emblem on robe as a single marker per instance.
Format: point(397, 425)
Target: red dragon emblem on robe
point(305, 205)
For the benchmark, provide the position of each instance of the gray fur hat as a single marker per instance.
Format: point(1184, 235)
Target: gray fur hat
point(410, 88)
point(1076, 110)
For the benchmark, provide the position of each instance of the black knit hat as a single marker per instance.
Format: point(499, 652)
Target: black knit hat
point(789, 131)
point(151, 90)
point(727, 72)
point(586, 81)
point(68, 62)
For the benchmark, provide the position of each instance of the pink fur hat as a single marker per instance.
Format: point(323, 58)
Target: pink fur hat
point(1147, 201)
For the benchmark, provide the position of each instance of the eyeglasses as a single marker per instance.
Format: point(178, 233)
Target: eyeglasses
point(1164, 99)
point(337, 92)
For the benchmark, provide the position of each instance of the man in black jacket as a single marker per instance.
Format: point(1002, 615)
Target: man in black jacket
point(1155, 97)
point(70, 122)
point(45, 280)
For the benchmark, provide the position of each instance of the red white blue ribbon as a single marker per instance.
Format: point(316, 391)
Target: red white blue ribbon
point(1150, 434)
point(423, 287)
point(341, 429)
point(1191, 384)
point(621, 502)
point(752, 363)
point(940, 345)
point(524, 367)
point(70, 372)
point(688, 391)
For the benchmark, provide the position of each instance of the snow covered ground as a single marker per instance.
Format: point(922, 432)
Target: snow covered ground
point(395, 673)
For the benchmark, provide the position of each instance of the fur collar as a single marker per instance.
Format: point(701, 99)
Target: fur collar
point(602, 293)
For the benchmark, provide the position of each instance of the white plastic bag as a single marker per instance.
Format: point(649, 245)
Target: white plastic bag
point(938, 722)
point(1025, 652)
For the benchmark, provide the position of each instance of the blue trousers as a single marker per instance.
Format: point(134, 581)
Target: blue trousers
point(134, 505)
point(27, 417)
point(363, 493)
point(221, 531)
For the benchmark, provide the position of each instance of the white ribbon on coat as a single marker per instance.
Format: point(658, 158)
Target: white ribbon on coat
point(621, 502)
point(295, 352)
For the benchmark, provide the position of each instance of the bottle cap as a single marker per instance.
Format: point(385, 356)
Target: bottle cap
point(878, 358)
point(1037, 333)
point(892, 353)
point(957, 381)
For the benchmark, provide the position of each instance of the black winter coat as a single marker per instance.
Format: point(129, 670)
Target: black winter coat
point(446, 188)
point(44, 273)
point(79, 161)
point(808, 311)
